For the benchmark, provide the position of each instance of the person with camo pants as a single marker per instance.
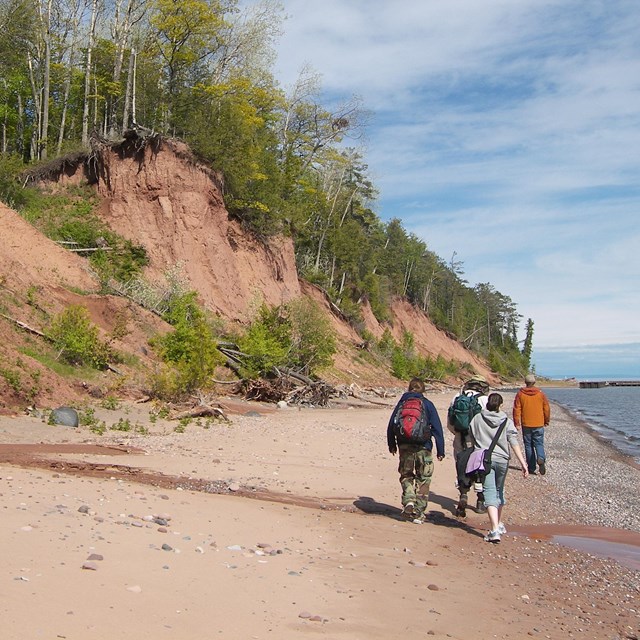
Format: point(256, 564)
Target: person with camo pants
point(415, 464)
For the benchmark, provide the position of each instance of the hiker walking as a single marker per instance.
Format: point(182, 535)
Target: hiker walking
point(531, 412)
point(412, 425)
point(484, 428)
point(464, 406)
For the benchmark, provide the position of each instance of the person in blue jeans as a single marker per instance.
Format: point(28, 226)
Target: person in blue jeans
point(531, 412)
point(483, 428)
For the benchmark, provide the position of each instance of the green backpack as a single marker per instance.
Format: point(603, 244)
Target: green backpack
point(462, 410)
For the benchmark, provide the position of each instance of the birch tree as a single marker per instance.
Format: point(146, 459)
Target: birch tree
point(127, 14)
point(87, 72)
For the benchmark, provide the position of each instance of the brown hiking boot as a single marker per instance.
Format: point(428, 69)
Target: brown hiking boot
point(408, 511)
point(461, 509)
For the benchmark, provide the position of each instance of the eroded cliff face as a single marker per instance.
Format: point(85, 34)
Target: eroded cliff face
point(174, 208)
point(159, 197)
point(29, 259)
point(38, 279)
point(429, 340)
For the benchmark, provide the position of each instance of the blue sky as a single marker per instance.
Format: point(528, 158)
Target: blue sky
point(507, 131)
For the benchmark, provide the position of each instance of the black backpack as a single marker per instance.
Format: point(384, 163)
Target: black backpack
point(411, 424)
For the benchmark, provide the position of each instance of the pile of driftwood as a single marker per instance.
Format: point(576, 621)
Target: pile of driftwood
point(281, 384)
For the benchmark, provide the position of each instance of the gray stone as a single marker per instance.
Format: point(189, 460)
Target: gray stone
point(65, 416)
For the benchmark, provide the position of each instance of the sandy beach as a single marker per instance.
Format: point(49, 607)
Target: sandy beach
point(285, 523)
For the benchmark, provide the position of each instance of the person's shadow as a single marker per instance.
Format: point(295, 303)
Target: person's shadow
point(370, 506)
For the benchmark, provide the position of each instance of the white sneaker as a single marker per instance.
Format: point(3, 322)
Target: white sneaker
point(492, 536)
point(501, 529)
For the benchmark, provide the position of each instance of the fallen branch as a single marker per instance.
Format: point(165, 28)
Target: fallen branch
point(200, 412)
point(358, 396)
point(35, 332)
point(26, 327)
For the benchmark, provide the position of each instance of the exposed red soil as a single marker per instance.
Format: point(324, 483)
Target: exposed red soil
point(172, 206)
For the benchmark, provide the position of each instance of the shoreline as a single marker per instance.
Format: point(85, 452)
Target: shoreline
point(598, 483)
point(344, 564)
point(593, 431)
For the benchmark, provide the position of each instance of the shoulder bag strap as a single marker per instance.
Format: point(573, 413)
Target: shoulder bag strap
point(492, 446)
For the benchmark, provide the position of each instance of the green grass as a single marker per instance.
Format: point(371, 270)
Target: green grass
point(48, 359)
point(70, 216)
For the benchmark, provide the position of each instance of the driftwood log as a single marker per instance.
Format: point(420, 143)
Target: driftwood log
point(200, 412)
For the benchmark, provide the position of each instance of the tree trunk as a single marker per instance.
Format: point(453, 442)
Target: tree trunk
point(120, 32)
point(128, 92)
point(87, 74)
point(44, 129)
point(20, 127)
point(35, 93)
point(76, 17)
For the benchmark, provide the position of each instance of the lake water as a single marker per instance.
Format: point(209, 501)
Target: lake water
point(614, 412)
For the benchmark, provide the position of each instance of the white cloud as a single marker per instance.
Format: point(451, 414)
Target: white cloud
point(520, 120)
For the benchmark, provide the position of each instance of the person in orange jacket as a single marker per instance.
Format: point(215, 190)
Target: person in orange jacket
point(531, 412)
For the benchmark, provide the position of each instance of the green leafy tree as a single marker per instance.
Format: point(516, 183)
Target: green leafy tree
point(296, 336)
point(313, 342)
point(77, 338)
point(184, 33)
point(191, 349)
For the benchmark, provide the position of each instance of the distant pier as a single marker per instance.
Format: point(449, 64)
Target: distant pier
point(597, 384)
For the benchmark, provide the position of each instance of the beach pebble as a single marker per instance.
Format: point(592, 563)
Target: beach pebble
point(433, 587)
point(166, 547)
point(135, 588)
point(282, 404)
point(83, 509)
point(90, 566)
point(234, 486)
point(95, 556)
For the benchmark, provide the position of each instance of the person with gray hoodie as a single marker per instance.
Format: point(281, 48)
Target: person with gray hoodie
point(483, 428)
